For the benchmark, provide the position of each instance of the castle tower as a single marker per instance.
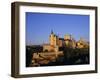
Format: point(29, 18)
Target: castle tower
point(51, 38)
point(54, 41)
point(67, 39)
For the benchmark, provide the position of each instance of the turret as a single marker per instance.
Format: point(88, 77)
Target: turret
point(51, 38)
point(52, 32)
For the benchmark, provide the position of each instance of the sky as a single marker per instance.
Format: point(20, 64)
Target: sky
point(39, 26)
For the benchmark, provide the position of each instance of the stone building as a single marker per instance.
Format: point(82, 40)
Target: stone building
point(48, 48)
point(82, 44)
point(68, 41)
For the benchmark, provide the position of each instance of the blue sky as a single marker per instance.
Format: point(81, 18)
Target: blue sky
point(39, 26)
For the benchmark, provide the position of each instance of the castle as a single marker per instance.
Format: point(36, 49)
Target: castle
point(51, 51)
point(68, 41)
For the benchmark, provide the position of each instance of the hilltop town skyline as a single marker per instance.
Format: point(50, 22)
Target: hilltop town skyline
point(39, 26)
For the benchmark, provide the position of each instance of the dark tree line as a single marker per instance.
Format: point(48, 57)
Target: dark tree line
point(76, 56)
point(30, 50)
